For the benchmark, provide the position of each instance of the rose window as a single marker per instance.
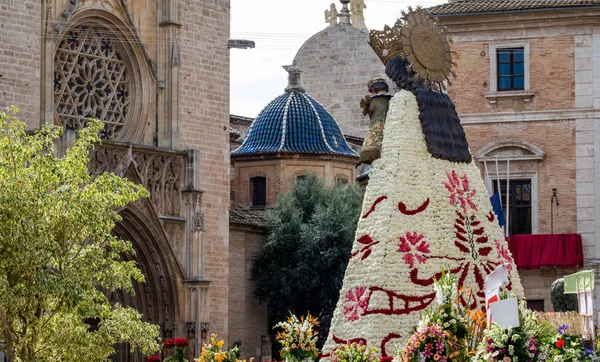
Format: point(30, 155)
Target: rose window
point(92, 80)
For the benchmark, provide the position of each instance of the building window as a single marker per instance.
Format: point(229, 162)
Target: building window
point(258, 190)
point(511, 69)
point(535, 304)
point(519, 205)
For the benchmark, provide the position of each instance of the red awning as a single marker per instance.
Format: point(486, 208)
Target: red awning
point(546, 251)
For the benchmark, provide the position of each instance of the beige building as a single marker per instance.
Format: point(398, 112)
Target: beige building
point(157, 73)
point(527, 91)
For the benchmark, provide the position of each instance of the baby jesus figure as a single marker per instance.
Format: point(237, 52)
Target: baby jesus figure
point(375, 105)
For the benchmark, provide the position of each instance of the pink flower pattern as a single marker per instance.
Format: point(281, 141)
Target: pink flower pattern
point(459, 191)
point(415, 248)
point(504, 254)
point(356, 303)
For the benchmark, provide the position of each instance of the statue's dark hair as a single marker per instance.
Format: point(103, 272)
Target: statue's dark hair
point(378, 86)
point(444, 135)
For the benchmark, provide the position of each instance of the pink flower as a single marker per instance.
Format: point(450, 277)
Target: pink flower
point(460, 194)
point(415, 248)
point(356, 303)
point(504, 254)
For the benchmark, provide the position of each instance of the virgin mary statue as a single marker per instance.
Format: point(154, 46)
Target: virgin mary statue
point(425, 207)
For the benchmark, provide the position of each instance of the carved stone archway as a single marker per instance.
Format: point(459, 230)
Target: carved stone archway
point(159, 298)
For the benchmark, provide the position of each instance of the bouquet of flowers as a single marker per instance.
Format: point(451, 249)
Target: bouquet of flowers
point(567, 348)
point(180, 345)
point(298, 338)
point(354, 352)
point(443, 331)
point(212, 352)
point(523, 343)
point(431, 344)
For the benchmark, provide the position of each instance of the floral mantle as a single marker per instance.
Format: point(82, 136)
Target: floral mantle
point(420, 214)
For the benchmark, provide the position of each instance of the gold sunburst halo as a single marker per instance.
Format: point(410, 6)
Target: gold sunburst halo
point(427, 49)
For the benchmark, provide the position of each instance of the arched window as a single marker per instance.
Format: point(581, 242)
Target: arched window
point(92, 79)
point(258, 190)
point(511, 170)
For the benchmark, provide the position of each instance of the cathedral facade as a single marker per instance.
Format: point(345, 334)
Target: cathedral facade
point(157, 74)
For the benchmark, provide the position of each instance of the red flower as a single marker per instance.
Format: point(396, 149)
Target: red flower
point(356, 303)
point(386, 359)
point(169, 343)
point(152, 359)
point(415, 248)
point(180, 342)
point(460, 192)
point(560, 343)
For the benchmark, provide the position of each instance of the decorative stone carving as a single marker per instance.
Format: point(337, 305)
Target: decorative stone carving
point(161, 173)
point(107, 4)
point(91, 80)
point(357, 14)
point(331, 15)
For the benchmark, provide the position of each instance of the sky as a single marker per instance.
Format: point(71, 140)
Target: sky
point(279, 28)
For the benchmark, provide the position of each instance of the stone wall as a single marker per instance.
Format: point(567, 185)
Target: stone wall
point(204, 121)
point(248, 319)
point(552, 76)
point(336, 65)
point(20, 51)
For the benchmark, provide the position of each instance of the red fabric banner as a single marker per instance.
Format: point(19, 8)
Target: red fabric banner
point(546, 250)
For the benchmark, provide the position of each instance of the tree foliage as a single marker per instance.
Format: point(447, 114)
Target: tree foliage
point(301, 266)
point(562, 302)
point(57, 253)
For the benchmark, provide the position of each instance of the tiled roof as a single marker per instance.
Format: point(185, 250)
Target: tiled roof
point(486, 6)
point(294, 122)
point(243, 215)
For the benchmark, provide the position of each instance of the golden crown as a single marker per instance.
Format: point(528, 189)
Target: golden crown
point(387, 43)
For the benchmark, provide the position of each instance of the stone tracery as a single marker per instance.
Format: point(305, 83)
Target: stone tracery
point(91, 79)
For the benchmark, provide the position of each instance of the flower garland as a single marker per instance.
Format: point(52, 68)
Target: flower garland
point(420, 214)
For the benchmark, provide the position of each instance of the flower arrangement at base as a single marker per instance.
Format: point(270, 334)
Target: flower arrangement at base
point(567, 348)
point(431, 344)
point(354, 352)
point(298, 338)
point(443, 333)
point(212, 352)
point(153, 358)
point(180, 345)
point(523, 343)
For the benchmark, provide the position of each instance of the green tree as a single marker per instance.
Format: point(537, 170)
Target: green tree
point(562, 302)
point(57, 253)
point(301, 266)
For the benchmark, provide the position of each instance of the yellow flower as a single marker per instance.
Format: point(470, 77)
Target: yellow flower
point(293, 345)
point(219, 357)
point(220, 343)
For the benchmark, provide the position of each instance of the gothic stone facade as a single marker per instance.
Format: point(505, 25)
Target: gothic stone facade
point(157, 72)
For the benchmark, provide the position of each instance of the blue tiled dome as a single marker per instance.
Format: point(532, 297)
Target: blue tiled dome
point(295, 123)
